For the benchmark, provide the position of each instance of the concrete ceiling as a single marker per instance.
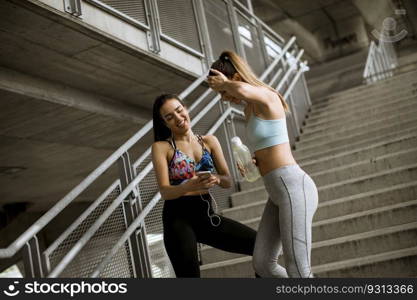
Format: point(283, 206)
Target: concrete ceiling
point(69, 97)
point(326, 29)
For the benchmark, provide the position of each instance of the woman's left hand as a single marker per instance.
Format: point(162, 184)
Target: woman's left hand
point(217, 81)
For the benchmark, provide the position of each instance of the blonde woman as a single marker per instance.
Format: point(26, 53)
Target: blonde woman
point(287, 219)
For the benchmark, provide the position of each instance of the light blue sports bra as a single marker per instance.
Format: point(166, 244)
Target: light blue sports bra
point(266, 133)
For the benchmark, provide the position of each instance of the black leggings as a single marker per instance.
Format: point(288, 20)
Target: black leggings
point(186, 222)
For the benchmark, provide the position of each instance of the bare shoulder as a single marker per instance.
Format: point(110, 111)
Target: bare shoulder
point(211, 141)
point(160, 146)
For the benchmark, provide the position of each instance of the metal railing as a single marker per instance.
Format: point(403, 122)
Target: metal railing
point(380, 63)
point(118, 222)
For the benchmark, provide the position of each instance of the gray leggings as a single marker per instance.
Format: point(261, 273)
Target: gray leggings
point(286, 224)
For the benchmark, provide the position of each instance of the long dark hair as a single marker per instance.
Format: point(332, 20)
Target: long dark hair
point(230, 63)
point(160, 131)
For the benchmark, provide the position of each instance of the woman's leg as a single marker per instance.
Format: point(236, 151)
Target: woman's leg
point(296, 194)
point(181, 246)
point(268, 244)
point(230, 235)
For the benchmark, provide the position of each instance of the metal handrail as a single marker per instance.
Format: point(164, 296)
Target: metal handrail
point(82, 217)
point(290, 69)
point(76, 191)
point(272, 32)
point(380, 62)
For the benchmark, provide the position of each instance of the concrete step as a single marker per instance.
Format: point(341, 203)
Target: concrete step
point(248, 197)
point(368, 159)
point(386, 195)
point(245, 185)
point(360, 134)
point(357, 91)
point(235, 268)
point(328, 228)
point(368, 152)
point(254, 197)
point(346, 247)
point(349, 97)
point(388, 95)
point(354, 128)
point(368, 183)
point(365, 167)
point(366, 114)
point(358, 137)
point(367, 243)
point(396, 214)
point(398, 263)
point(246, 211)
point(324, 150)
point(370, 101)
point(390, 195)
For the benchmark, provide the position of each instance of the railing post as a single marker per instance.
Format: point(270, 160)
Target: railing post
point(131, 207)
point(234, 22)
point(308, 99)
point(32, 259)
point(73, 7)
point(204, 32)
point(154, 34)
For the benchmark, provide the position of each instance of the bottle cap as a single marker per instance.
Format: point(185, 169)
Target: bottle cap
point(236, 141)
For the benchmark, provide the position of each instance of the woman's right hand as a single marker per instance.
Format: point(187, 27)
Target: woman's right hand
point(198, 183)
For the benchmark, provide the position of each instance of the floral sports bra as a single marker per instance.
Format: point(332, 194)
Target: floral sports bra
point(182, 167)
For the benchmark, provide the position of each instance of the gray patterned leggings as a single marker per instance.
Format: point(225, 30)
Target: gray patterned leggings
point(286, 224)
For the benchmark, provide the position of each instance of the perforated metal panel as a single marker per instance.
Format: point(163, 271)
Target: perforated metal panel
point(96, 249)
point(220, 30)
point(148, 188)
point(132, 8)
point(178, 21)
point(250, 40)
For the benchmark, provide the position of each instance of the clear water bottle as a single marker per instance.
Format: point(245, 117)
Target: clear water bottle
point(243, 157)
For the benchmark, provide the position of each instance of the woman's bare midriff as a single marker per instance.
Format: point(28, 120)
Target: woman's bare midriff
point(274, 157)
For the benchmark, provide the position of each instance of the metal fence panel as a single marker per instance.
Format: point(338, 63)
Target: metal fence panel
point(132, 8)
point(249, 38)
point(219, 27)
point(178, 21)
point(95, 250)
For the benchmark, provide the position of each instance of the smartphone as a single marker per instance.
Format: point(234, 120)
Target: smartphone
point(211, 73)
point(203, 173)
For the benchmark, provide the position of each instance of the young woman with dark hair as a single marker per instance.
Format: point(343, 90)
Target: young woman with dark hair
point(179, 157)
point(287, 219)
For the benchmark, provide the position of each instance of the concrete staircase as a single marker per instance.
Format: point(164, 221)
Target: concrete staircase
point(360, 147)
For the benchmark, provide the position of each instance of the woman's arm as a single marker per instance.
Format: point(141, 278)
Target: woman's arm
point(168, 191)
point(223, 173)
point(241, 90)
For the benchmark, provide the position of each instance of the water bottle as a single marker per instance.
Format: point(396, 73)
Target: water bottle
point(243, 157)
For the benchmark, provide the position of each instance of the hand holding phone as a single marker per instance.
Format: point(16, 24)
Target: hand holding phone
point(203, 174)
